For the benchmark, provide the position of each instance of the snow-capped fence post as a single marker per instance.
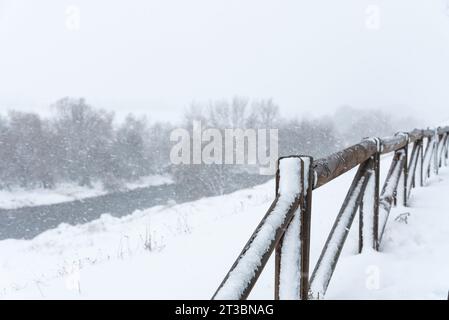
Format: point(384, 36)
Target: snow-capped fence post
point(428, 155)
point(293, 177)
point(445, 148)
point(412, 168)
point(443, 155)
point(292, 251)
point(405, 168)
point(389, 189)
point(405, 175)
point(421, 160)
point(329, 256)
point(369, 206)
point(436, 151)
point(441, 150)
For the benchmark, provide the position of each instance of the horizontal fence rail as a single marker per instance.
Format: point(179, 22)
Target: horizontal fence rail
point(285, 228)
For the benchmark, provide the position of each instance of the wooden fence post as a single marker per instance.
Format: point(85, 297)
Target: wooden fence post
point(369, 206)
point(296, 239)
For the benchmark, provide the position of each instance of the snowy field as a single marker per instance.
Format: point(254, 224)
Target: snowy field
point(183, 251)
point(63, 192)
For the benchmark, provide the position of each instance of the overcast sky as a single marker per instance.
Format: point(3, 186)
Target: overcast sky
point(157, 56)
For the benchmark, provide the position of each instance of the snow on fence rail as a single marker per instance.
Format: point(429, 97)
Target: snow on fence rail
point(285, 228)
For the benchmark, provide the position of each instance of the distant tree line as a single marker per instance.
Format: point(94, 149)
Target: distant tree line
point(82, 144)
point(79, 144)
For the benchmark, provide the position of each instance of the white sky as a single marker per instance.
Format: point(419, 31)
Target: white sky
point(157, 56)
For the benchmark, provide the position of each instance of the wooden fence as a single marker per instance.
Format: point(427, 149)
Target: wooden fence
point(285, 228)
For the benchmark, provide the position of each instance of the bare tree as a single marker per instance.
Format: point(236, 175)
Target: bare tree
point(86, 136)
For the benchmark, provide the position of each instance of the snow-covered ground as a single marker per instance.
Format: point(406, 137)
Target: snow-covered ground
point(184, 251)
point(63, 192)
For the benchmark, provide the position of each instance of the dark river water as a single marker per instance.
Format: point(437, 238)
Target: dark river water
point(28, 222)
